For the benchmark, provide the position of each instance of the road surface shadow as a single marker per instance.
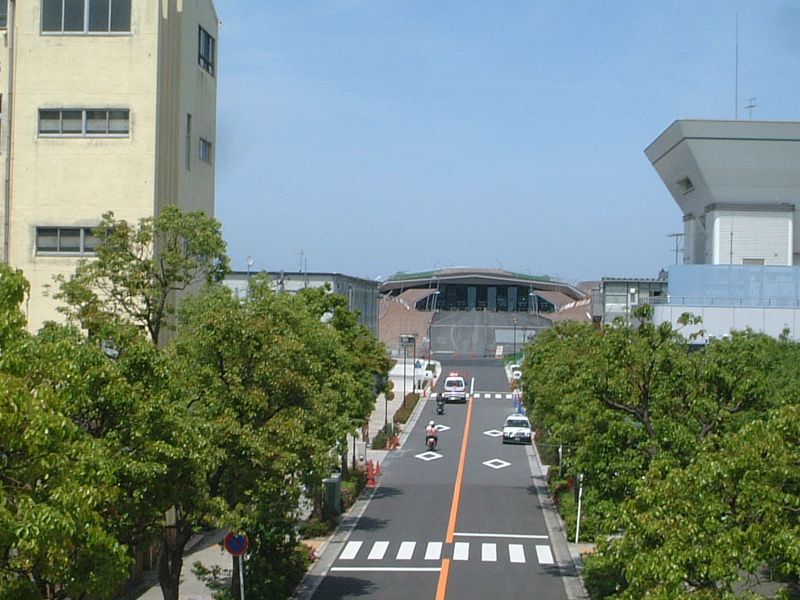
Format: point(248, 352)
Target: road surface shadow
point(370, 524)
point(335, 586)
point(386, 492)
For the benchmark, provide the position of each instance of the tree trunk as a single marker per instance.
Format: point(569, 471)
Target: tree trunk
point(170, 560)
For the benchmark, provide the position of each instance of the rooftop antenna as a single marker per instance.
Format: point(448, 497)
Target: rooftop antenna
point(750, 106)
point(677, 237)
point(736, 85)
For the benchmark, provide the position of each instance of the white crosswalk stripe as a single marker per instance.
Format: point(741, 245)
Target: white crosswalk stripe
point(350, 550)
point(406, 550)
point(516, 553)
point(544, 555)
point(461, 551)
point(378, 550)
point(489, 552)
point(495, 395)
point(433, 551)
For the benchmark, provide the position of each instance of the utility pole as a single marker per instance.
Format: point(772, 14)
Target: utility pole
point(751, 104)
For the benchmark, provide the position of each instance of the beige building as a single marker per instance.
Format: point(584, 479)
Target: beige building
point(107, 105)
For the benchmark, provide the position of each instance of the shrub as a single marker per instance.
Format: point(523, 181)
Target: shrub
point(404, 412)
point(315, 528)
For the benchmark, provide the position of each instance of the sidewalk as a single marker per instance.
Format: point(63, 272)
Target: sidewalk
point(208, 549)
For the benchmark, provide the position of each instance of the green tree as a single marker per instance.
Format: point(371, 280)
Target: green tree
point(138, 270)
point(57, 484)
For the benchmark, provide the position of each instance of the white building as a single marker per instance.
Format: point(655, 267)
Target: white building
point(107, 105)
point(738, 185)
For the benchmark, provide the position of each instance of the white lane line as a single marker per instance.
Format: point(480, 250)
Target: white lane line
point(406, 550)
point(544, 555)
point(517, 536)
point(489, 552)
point(389, 569)
point(350, 550)
point(433, 551)
point(378, 550)
point(516, 553)
point(461, 551)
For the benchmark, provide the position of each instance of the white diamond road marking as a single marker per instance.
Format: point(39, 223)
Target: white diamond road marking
point(489, 552)
point(378, 550)
point(516, 553)
point(406, 550)
point(350, 550)
point(433, 551)
point(426, 456)
point(461, 551)
point(544, 556)
point(496, 463)
point(493, 433)
point(442, 427)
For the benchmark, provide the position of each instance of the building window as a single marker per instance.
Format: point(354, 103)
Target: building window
point(205, 150)
point(66, 240)
point(89, 122)
point(3, 14)
point(188, 142)
point(86, 16)
point(206, 51)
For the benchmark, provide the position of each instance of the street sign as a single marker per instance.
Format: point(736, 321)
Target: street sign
point(236, 544)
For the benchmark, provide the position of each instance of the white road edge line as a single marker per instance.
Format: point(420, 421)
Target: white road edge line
point(388, 569)
point(515, 536)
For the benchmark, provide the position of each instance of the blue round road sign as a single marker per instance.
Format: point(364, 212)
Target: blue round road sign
point(236, 544)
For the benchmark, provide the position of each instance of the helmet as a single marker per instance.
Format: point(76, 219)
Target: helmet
point(431, 423)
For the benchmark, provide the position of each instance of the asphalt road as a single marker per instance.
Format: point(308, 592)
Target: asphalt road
point(462, 523)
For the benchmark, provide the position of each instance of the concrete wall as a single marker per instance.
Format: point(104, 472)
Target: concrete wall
point(70, 181)
point(720, 321)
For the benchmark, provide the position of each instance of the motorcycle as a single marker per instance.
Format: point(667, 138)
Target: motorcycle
point(430, 442)
point(439, 406)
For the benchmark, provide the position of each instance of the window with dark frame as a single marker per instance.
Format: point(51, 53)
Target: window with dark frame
point(89, 122)
point(205, 150)
point(85, 16)
point(3, 14)
point(206, 51)
point(188, 142)
point(65, 240)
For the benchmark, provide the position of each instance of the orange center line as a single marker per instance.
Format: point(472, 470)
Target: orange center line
point(441, 589)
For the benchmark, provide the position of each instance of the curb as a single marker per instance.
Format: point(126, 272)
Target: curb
point(571, 565)
point(314, 576)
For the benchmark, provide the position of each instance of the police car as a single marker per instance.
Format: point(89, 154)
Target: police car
point(517, 429)
point(455, 388)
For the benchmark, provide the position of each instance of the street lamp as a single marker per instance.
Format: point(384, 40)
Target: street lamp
point(515, 337)
point(406, 341)
point(250, 263)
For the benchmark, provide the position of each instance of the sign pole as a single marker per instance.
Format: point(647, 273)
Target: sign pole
point(241, 577)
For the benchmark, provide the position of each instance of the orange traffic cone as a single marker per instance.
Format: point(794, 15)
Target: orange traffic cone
point(370, 475)
point(377, 469)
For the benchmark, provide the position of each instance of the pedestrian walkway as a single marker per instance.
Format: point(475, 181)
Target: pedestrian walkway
point(385, 554)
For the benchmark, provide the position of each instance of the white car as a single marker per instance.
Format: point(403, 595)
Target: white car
point(517, 430)
point(455, 388)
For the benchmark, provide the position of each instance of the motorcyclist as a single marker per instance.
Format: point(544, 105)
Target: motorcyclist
point(432, 432)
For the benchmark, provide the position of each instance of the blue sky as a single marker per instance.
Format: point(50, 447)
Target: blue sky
point(373, 136)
